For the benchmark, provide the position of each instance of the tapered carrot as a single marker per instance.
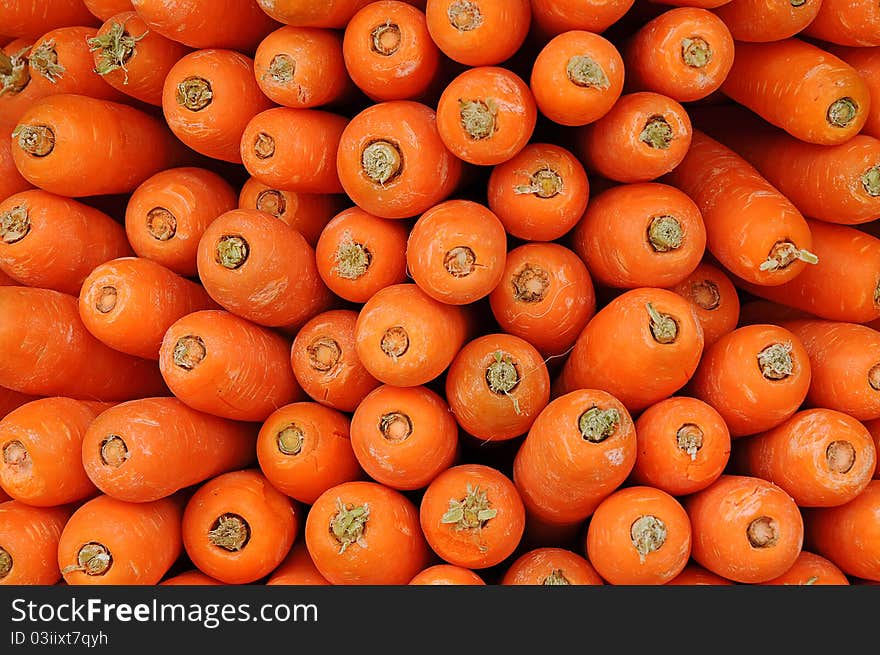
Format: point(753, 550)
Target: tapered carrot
point(848, 534)
point(106, 9)
point(446, 574)
point(233, 24)
point(304, 449)
point(848, 259)
point(714, 300)
point(557, 16)
point(33, 19)
point(358, 254)
point(112, 542)
point(404, 437)
point(48, 352)
point(306, 13)
point(221, 364)
point(406, 338)
point(545, 296)
point(540, 193)
point(191, 578)
point(208, 98)
point(150, 448)
point(642, 234)
point(52, 135)
point(42, 445)
point(867, 62)
point(132, 58)
point(168, 213)
point(239, 266)
point(694, 574)
point(54, 242)
point(325, 362)
point(756, 377)
point(297, 569)
point(811, 569)
point(752, 230)
point(308, 213)
point(847, 23)
point(29, 543)
point(641, 347)
point(392, 161)
point(551, 566)
point(806, 91)
point(478, 32)
point(389, 53)
point(565, 466)
point(129, 303)
point(759, 20)
point(238, 528)
point(683, 446)
point(10, 400)
point(294, 149)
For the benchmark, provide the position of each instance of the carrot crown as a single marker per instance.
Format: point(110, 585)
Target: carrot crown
point(324, 353)
point(385, 39)
point(648, 534)
point(44, 60)
point(464, 15)
point(530, 284)
point(586, 72)
point(471, 512)
point(353, 259)
point(161, 224)
point(281, 69)
point(14, 224)
point(664, 328)
point(116, 47)
point(37, 140)
point(776, 361)
point(696, 52)
point(544, 183)
point(381, 161)
point(230, 532)
point(14, 72)
point(194, 93)
point(657, 133)
point(556, 577)
point(92, 559)
point(478, 117)
point(5, 563)
point(349, 524)
point(596, 425)
point(871, 181)
point(689, 439)
point(290, 439)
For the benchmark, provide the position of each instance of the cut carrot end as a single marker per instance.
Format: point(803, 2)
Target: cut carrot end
point(464, 15)
point(696, 52)
point(114, 451)
point(282, 68)
point(5, 563)
point(776, 362)
point(556, 577)
point(36, 140)
point(272, 202)
point(92, 559)
point(648, 534)
point(395, 426)
point(349, 524)
point(15, 455)
point(353, 259)
point(763, 532)
point(14, 224)
point(657, 133)
point(797, 3)
point(324, 353)
point(874, 377)
point(586, 72)
point(106, 301)
point(194, 93)
point(381, 161)
point(230, 532)
point(478, 118)
point(460, 261)
point(842, 112)
point(14, 72)
point(840, 456)
point(785, 253)
point(290, 439)
point(502, 375)
point(689, 439)
point(664, 328)
point(705, 295)
point(44, 60)
point(189, 351)
point(530, 284)
point(472, 512)
point(395, 342)
point(161, 224)
point(665, 233)
point(232, 251)
point(596, 425)
point(385, 39)
point(264, 146)
point(871, 181)
point(116, 48)
point(545, 183)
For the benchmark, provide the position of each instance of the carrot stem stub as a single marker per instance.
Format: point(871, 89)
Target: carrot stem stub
point(194, 93)
point(116, 46)
point(230, 532)
point(349, 524)
point(36, 140)
point(92, 559)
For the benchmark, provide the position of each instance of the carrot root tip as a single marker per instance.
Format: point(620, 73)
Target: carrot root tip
point(530, 284)
point(478, 118)
point(665, 233)
point(36, 140)
point(272, 202)
point(596, 425)
point(114, 451)
point(5, 563)
point(161, 224)
point(842, 112)
point(871, 181)
point(395, 426)
point(116, 48)
point(556, 577)
point(840, 456)
point(14, 72)
point(657, 133)
point(44, 60)
point(194, 93)
point(14, 224)
point(586, 72)
point(464, 15)
point(696, 52)
point(763, 532)
point(648, 534)
point(264, 146)
point(664, 328)
point(106, 300)
point(349, 524)
point(395, 342)
point(544, 183)
point(232, 251)
point(472, 512)
point(282, 68)
point(230, 532)
point(705, 295)
point(689, 439)
point(189, 351)
point(353, 259)
point(92, 559)
point(324, 353)
point(385, 39)
point(381, 161)
point(290, 439)
point(460, 261)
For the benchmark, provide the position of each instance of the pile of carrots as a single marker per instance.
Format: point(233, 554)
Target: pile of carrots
point(440, 292)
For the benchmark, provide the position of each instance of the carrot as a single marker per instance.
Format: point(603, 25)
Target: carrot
point(581, 447)
point(404, 437)
point(848, 534)
point(745, 529)
point(297, 569)
point(389, 53)
point(10, 400)
point(108, 541)
point(577, 77)
point(374, 536)
point(168, 213)
point(867, 62)
point(54, 242)
point(694, 574)
point(735, 200)
point(106, 9)
point(703, 4)
point(191, 578)
point(115, 295)
point(325, 362)
point(844, 286)
point(11, 181)
point(308, 213)
point(683, 446)
point(806, 91)
point(639, 235)
point(820, 457)
point(643, 136)
point(48, 352)
point(294, 149)
point(358, 254)
point(847, 23)
point(238, 528)
point(42, 444)
point(16, 93)
point(233, 24)
point(478, 32)
point(540, 193)
point(641, 347)
point(845, 366)
point(208, 98)
point(304, 449)
point(496, 386)
point(29, 543)
point(150, 448)
point(756, 377)
point(759, 20)
point(456, 252)
point(551, 566)
point(33, 19)
point(685, 53)
point(239, 266)
point(307, 13)
point(553, 17)
point(545, 296)
point(133, 59)
point(713, 299)
point(302, 67)
point(221, 364)
point(639, 536)
point(472, 516)
point(54, 133)
point(811, 569)
point(446, 574)
point(392, 161)
point(406, 338)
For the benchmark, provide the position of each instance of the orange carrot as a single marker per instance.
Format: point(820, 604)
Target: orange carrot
point(694, 574)
point(106, 9)
point(307, 13)
point(297, 569)
point(847, 23)
point(446, 574)
point(29, 543)
point(33, 19)
point(150, 448)
point(557, 16)
point(191, 578)
point(551, 566)
point(478, 32)
point(760, 20)
point(10, 400)
point(811, 569)
point(54, 242)
point(11, 181)
point(714, 300)
point(867, 62)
